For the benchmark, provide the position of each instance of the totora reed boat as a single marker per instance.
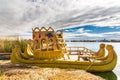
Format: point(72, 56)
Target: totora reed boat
point(49, 50)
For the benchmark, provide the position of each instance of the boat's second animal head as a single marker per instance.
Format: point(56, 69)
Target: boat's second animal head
point(109, 47)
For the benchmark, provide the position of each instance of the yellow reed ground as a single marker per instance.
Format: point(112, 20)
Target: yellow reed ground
point(22, 72)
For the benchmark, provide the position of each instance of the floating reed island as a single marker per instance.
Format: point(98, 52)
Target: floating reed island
point(49, 50)
point(25, 72)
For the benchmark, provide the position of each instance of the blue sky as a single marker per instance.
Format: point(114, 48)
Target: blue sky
point(93, 29)
point(81, 19)
point(93, 32)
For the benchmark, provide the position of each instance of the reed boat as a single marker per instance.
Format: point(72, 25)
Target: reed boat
point(54, 56)
point(106, 63)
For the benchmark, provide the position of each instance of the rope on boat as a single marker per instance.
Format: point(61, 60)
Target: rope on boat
point(90, 65)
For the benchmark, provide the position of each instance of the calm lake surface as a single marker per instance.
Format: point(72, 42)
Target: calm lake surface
point(95, 46)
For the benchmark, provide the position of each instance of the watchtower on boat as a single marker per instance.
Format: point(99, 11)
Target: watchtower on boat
point(44, 39)
point(47, 41)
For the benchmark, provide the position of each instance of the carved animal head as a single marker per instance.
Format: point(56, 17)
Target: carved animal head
point(109, 47)
point(102, 45)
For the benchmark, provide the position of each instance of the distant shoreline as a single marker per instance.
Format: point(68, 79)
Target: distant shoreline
point(89, 41)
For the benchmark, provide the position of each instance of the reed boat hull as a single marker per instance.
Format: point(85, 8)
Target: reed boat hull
point(108, 65)
point(48, 54)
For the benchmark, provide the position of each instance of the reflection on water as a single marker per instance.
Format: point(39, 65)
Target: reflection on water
point(106, 75)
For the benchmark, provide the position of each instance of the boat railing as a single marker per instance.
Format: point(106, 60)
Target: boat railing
point(79, 51)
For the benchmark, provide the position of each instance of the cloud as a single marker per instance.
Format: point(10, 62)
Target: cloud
point(112, 35)
point(20, 16)
point(93, 36)
point(81, 30)
point(97, 16)
point(85, 35)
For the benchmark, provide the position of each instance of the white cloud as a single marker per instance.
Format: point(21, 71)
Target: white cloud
point(85, 35)
point(108, 35)
point(81, 30)
point(93, 35)
point(20, 16)
point(112, 33)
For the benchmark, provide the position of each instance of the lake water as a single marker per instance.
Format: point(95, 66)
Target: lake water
point(95, 46)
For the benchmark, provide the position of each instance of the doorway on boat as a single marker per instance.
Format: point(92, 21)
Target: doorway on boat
point(43, 45)
point(50, 44)
point(36, 44)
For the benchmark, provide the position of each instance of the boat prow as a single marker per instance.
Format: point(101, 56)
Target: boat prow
point(28, 53)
